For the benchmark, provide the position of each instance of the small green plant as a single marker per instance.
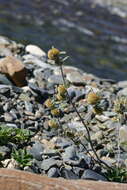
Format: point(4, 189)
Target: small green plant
point(22, 157)
point(117, 175)
point(13, 135)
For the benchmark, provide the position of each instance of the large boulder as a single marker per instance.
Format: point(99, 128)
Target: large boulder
point(20, 180)
point(14, 70)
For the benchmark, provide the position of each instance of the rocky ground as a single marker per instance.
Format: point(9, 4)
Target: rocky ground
point(35, 139)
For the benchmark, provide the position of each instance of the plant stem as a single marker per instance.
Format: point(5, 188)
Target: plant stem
point(87, 129)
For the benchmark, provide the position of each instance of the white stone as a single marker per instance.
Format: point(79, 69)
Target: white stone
point(35, 50)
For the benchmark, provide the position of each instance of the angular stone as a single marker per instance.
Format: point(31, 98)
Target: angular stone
point(76, 78)
point(89, 174)
point(14, 69)
point(35, 50)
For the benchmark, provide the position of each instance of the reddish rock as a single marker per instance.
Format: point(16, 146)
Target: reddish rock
point(20, 180)
point(13, 69)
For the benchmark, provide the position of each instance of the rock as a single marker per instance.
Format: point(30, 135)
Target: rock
point(89, 174)
point(10, 164)
point(101, 118)
point(97, 136)
point(70, 153)
point(49, 163)
point(5, 90)
point(76, 78)
point(53, 172)
point(68, 174)
point(4, 80)
point(30, 59)
point(55, 79)
point(4, 151)
point(37, 151)
point(122, 84)
point(76, 126)
point(8, 117)
point(122, 92)
point(66, 70)
point(35, 50)
point(28, 106)
point(14, 69)
point(61, 142)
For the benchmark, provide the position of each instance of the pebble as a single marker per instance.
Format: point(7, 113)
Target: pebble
point(50, 162)
point(53, 172)
point(35, 50)
point(67, 174)
point(55, 79)
point(75, 78)
point(37, 151)
point(91, 175)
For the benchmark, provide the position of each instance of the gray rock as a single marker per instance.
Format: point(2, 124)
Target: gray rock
point(76, 78)
point(70, 153)
point(62, 143)
point(50, 162)
point(109, 114)
point(101, 118)
point(4, 80)
point(71, 92)
point(68, 174)
point(8, 117)
point(91, 175)
point(4, 151)
point(37, 151)
point(53, 172)
point(122, 92)
point(55, 79)
point(5, 91)
point(122, 84)
point(76, 126)
point(28, 106)
point(30, 59)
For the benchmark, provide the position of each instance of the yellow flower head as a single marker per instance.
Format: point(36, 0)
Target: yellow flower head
point(53, 54)
point(52, 123)
point(93, 98)
point(49, 104)
point(55, 112)
point(59, 97)
point(61, 90)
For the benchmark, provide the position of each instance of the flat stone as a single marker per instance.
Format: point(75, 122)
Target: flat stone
point(8, 117)
point(35, 50)
point(68, 174)
point(14, 69)
point(55, 79)
point(30, 59)
point(122, 84)
point(70, 153)
point(76, 78)
point(122, 92)
point(53, 172)
point(76, 126)
point(4, 80)
point(50, 162)
point(66, 70)
point(89, 174)
point(37, 151)
point(101, 118)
